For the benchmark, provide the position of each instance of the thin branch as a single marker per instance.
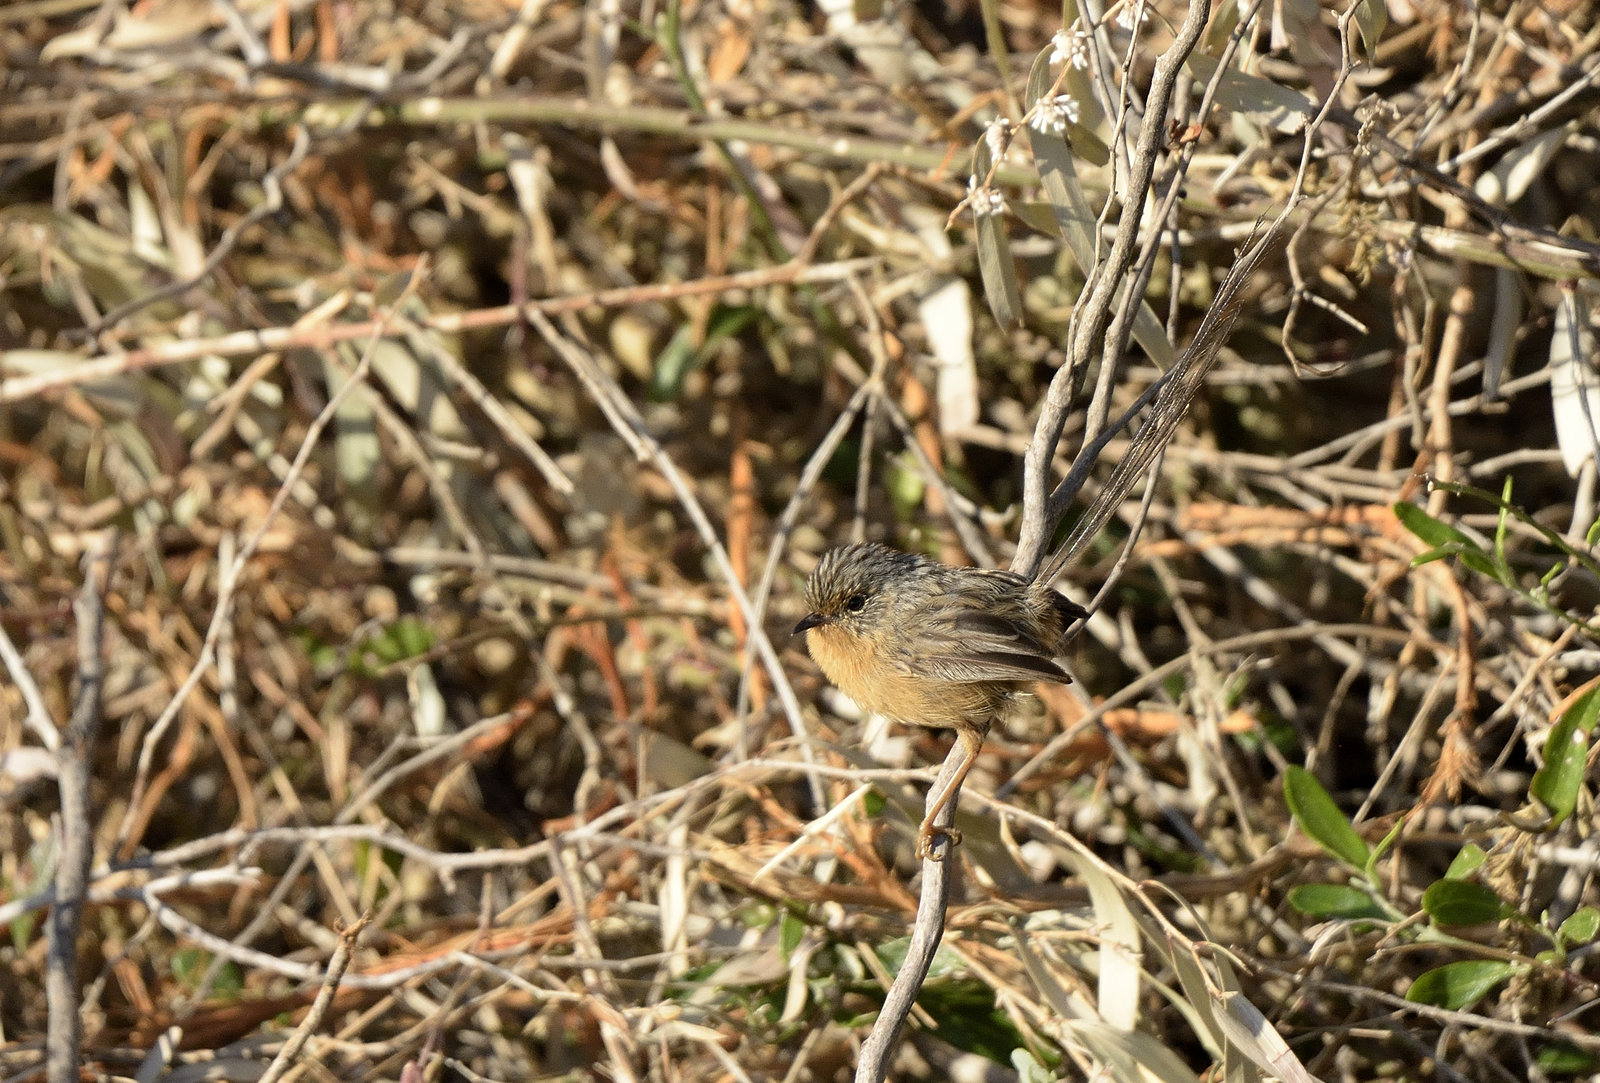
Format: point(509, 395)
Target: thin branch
point(319, 1008)
point(77, 827)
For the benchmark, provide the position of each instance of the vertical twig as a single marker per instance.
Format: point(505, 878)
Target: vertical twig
point(1096, 303)
point(64, 1032)
point(873, 1065)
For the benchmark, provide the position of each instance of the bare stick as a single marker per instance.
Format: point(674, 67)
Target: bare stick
point(65, 1029)
point(319, 1007)
point(925, 935)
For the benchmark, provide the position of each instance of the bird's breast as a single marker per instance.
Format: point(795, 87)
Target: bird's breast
point(877, 684)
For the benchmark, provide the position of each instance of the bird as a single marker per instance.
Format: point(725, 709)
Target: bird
point(932, 644)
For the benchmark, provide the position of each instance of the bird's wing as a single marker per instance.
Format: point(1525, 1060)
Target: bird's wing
point(973, 645)
point(991, 666)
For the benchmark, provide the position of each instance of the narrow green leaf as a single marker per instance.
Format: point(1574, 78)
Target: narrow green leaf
point(1432, 531)
point(1371, 16)
point(1335, 901)
point(998, 270)
point(1502, 524)
point(1457, 985)
point(1076, 83)
point(791, 930)
point(1446, 541)
point(1566, 750)
point(1267, 102)
point(22, 930)
point(680, 357)
point(1383, 846)
point(1461, 902)
point(1483, 564)
point(1320, 818)
point(906, 486)
point(995, 264)
point(673, 365)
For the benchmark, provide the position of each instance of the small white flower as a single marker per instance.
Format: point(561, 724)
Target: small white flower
point(1070, 47)
point(985, 200)
point(1052, 115)
point(997, 135)
point(1126, 15)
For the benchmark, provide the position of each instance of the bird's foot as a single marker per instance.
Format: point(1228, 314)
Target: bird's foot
point(928, 836)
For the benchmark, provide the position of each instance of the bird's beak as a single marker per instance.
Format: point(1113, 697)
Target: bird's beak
point(811, 620)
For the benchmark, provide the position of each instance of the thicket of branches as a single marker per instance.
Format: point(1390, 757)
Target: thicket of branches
point(417, 419)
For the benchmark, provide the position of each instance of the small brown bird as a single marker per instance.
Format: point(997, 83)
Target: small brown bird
point(930, 644)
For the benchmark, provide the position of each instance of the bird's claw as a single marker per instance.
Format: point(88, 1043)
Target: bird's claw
point(927, 836)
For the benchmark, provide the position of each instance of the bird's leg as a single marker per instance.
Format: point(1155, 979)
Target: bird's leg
point(971, 743)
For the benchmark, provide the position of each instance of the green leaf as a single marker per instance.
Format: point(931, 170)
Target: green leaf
point(756, 915)
point(905, 486)
point(1566, 751)
point(186, 964)
point(1468, 860)
point(1266, 102)
point(1028, 1069)
point(1432, 555)
point(189, 965)
point(1484, 564)
point(1580, 928)
point(1321, 819)
point(969, 1020)
point(412, 637)
point(1432, 531)
point(1457, 985)
point(1445, 540)
point(681, 356)
point(229, 982)
point(1081, 134)
point(22, 930)
point(1371, 17)
point(673, 364)
point(398, 641)
point(1564, 1059)
point(946, 960)
point(1335, 901)
point(995, 265)
point(997, 268)
point(1462, 902)
point(791, 930)
point(1383, 846)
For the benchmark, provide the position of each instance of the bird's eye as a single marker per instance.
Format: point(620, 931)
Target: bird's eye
point(855, 603)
